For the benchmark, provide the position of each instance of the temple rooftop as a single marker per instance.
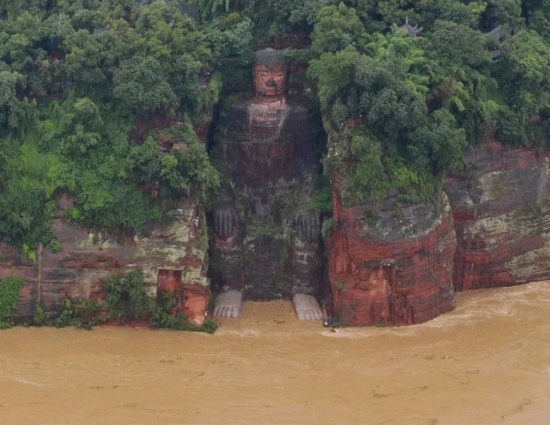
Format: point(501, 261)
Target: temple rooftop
point(411, 31)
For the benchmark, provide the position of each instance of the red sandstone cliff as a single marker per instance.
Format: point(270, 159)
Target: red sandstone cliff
point(500, 209)
point(393, 265)
point(390, 265)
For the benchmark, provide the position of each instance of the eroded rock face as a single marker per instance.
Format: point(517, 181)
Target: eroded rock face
point(88, 258)
point(501, 213)
point(391, 265)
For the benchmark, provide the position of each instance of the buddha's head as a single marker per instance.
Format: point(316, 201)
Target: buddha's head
point(270, 69)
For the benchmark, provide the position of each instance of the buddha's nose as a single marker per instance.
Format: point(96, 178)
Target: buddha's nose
point(270, 83)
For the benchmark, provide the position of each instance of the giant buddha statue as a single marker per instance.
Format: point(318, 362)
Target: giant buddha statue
point(270, 71)
point(266, 232)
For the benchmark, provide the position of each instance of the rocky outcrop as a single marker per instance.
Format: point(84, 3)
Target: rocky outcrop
point(501, 209)
point(87, 258)
point(391, 264)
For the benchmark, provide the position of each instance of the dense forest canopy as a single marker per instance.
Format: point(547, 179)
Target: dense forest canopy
point(77, 76)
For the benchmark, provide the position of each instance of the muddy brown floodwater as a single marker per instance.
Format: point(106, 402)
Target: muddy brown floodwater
point(487, 362)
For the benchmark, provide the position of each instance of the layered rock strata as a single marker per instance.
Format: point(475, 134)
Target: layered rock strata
point(390, 265)
point(501, 209)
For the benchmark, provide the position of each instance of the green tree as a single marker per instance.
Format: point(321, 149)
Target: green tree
point(9, 297)
point(140, 87)
point(13, 112)
point(27, 203)
point(337, 27)
point(460, 65)
point(524, 77)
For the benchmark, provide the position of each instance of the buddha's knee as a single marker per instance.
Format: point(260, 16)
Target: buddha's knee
point(226, 221)
point(307, 226)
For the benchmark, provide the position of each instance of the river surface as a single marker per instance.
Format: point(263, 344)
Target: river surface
point(487, 362)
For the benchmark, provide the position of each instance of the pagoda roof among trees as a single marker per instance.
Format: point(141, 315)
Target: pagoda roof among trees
point(411, 31)
point(498, 35)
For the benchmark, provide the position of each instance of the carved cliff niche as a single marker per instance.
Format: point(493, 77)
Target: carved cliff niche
point(266, 232)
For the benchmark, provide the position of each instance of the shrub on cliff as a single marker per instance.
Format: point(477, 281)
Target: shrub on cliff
point(126, 296)
point(9, 297)
point(127, 300)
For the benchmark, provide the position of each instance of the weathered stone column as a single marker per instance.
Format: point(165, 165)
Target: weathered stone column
point(390, 264)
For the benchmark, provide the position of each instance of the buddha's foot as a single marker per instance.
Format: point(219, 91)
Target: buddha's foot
point(307, 307)
point(228, 304)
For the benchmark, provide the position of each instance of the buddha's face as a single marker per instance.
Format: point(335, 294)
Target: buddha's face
point(269, 81)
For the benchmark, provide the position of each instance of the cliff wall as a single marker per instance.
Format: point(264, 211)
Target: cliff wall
point(87, 258)
point(390, 265)
point(501, 213)
point(396, 265)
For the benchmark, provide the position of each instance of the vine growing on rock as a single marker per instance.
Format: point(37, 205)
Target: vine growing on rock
point(9, 297)
point(162, 317)
point(84, 314)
